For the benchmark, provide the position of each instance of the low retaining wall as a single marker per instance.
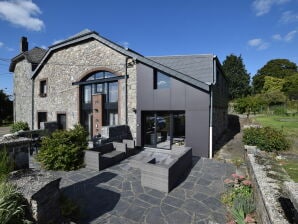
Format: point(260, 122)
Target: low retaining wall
point(266, 192)
point(18, 150)
point(42, 192)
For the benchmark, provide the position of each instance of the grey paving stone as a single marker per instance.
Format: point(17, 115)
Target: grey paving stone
point(193, 206)
point(156, 193)
point(77, 177)
point(200, 196)
point(121, 207)
point(126, 194)
point(188, 185)
point(135, 213)
point(126, 186)
point(137, 188)
point(219, 217)
point(154, 216)
point(141, 203)
point(212, 203)
point(204, 182)
point(167, 209)
point(178, 217)
point(178, 193)
point(173, 201)
point(150, 199)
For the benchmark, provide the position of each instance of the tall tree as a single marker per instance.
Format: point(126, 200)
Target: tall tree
point(290, 87)
point(278, 68)
point(235, 71)
point(6, 107)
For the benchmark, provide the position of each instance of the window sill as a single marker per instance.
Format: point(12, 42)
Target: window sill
point(43, 95)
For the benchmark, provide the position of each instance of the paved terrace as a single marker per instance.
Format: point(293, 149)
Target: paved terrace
point(115, 195)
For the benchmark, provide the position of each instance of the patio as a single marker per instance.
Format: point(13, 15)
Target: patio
point(115, 195)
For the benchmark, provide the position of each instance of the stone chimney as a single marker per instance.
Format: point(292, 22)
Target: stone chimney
point(24, 44)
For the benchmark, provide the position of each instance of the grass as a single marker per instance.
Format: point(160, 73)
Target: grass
point(289, 125)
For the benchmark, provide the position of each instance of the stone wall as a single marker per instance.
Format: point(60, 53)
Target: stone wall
point(41, 190)
point(18, 150)
point(70, 65)
point(23, 92)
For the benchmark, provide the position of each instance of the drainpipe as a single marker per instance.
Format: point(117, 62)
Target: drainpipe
point(32, 107)
point(211, 108)
point(126, 107)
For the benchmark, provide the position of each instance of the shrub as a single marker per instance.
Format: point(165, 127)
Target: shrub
point(267, 139)
point(239, 198)
point(6, 164)
point(18, 126)
point(63, 150)
point(12, 205)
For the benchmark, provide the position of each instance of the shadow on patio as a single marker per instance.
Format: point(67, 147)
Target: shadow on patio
point(94, 201)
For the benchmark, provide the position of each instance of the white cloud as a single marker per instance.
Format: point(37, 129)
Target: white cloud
point(258, 43)
point(289, 17)
point(57, 41)
point(264, 6)
point(287, 38)
point(276, 37)
point(254, 42)
point(22, 13)
point(1, 44)
point(290, 35)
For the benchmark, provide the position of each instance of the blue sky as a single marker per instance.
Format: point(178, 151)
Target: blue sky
point(259, 30)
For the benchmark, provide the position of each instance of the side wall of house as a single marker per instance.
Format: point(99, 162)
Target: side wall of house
point(180, 97)
point(71, 64)
point(22, 91)
point(220, 105)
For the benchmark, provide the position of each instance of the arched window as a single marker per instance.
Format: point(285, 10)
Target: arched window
point(105, 85)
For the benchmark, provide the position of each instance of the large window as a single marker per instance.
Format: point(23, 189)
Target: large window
point(163, 129)
point(105, 84)
point(161, 80)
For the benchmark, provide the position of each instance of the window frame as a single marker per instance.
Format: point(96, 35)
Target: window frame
point(156, 72)
point(43, 87)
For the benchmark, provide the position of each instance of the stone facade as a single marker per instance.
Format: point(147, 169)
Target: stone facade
point(23, 92)
point(73, 63)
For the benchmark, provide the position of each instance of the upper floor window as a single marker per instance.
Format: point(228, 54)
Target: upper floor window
point(43, 88)
point(161, 80)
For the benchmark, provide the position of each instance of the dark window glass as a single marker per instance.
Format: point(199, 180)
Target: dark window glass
point(61, 120)
point(161, 80)
point(43, 88)
point(41, 118)
point(163, 129)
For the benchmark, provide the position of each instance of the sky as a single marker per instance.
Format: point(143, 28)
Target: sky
point(258, 30)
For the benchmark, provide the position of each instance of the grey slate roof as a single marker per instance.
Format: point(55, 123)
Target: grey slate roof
point(197, 66)
point(87, 34)
point(33, 56)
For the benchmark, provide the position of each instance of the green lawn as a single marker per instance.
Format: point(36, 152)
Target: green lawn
point(290, 127)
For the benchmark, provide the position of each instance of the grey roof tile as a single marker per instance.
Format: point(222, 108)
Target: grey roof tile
point(199, 67)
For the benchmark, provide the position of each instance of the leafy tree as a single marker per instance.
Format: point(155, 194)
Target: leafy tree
point(235, 71)
point(290, 87)
point(6, 107)
point(272, 84)
point(278, 68)
point(248, 105)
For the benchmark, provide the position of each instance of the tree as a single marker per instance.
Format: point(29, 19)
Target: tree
point(238, 77)
point(290, 87)
point(248, 104)
point(278, 68)
point(6, 107)
point(272, 84)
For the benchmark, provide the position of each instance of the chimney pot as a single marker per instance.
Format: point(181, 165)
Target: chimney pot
point(24, 44)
